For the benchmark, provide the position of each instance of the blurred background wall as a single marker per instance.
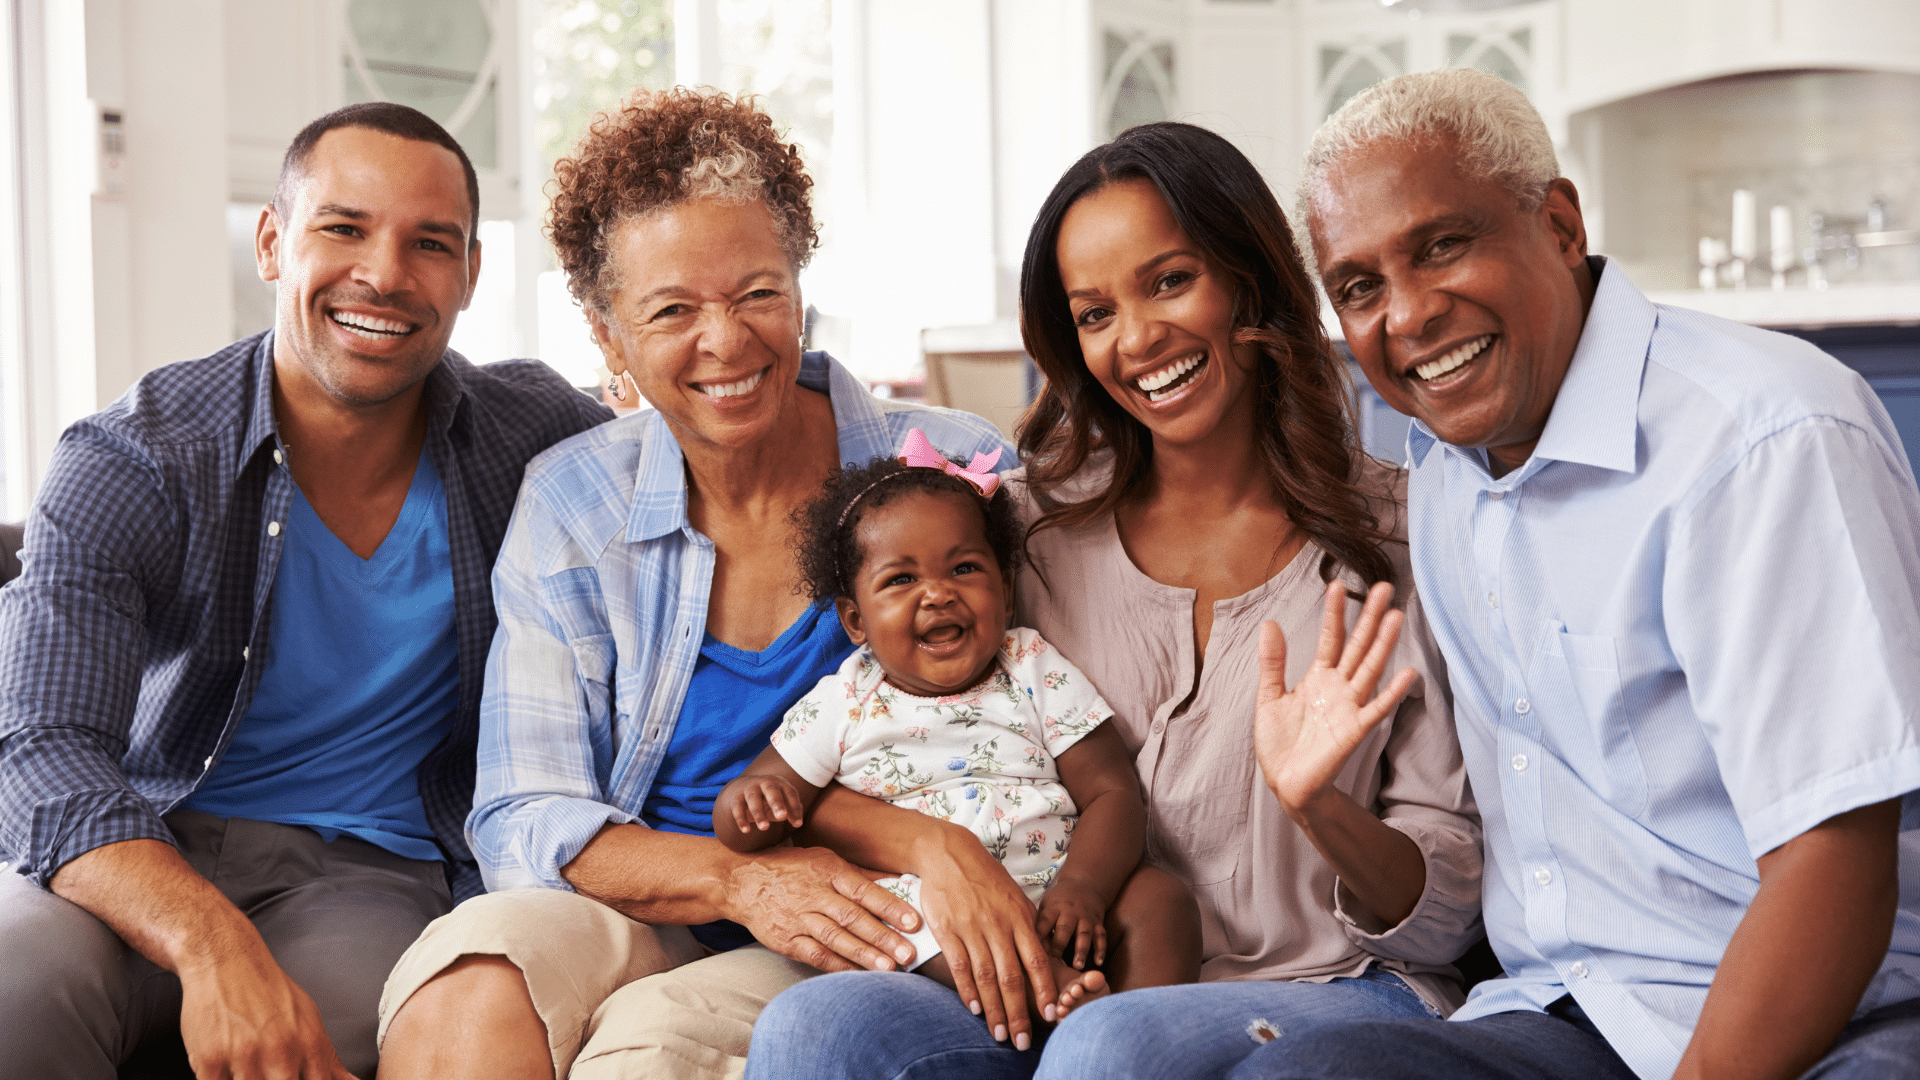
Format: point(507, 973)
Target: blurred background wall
point(140, 138)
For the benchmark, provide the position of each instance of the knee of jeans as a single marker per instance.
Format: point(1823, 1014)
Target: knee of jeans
point(1100, 1038)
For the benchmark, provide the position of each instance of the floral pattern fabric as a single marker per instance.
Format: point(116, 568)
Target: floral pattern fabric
point(982, 759)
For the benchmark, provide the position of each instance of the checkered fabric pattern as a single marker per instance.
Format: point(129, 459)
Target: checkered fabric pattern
point(132, 643)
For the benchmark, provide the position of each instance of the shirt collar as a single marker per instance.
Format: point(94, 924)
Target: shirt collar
point(441, 396)
point(261, 426)
point(660, 491)
point(1596, 415)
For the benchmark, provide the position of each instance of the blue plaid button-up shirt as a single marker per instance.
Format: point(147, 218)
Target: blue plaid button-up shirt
point(602, 587)
point(131, 645)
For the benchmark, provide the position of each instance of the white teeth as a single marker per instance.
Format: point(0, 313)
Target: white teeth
point(732, 389)
point(1433, 369)
point(369, 327)
point(1155, 380)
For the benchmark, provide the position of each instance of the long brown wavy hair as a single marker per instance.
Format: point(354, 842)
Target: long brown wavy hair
point(1304, 403)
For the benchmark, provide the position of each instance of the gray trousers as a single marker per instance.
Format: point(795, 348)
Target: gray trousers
point(75, 1001)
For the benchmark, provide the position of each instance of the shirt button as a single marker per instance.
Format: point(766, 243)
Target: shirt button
point(1159, 726)
point(1496, 496)
point(1543, 876)
point(273, 528)
point(1578, 969)
point(1519, 763)
point(279, 458)
point(207, 764)
point(246, 652)
point(1523, 706)
point(1493, 600)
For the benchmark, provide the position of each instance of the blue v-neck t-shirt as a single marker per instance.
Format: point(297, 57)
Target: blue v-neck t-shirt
point(362, 673)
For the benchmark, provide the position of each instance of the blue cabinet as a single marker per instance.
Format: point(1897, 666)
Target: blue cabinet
point(1888, 357)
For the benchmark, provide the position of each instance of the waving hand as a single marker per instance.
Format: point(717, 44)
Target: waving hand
point(1303, 736)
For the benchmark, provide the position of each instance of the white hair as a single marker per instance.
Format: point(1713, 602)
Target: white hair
point(1497, 132)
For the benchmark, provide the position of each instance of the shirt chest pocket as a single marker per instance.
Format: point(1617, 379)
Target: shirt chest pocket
point(1575, 686)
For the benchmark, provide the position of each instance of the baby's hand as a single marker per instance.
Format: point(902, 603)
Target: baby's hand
point(759, 801)
point(1072, 914)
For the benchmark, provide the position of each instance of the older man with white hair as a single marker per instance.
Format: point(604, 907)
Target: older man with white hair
point(1674, 565)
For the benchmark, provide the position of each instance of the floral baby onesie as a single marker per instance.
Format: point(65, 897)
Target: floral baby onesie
point(983, 759)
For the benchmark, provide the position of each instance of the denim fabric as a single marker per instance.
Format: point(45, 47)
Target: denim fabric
point(1882, 1045)
point(1203, 1031)
point(878, 1025)
point(895, 1026)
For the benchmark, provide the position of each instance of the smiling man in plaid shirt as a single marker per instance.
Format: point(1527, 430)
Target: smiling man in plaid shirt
point(239, 676)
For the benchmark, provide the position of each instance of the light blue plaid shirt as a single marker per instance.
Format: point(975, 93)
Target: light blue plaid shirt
point(602, 591)
point(1686, 631)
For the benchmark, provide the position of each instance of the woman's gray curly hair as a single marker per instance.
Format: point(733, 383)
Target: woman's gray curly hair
point(661, 148)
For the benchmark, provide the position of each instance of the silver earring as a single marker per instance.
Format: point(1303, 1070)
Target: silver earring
point(615, 388)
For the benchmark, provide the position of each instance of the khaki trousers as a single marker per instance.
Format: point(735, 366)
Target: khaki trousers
point(620, 999)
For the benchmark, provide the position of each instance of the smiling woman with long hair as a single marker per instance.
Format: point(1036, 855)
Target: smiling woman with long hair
point(1192, 476)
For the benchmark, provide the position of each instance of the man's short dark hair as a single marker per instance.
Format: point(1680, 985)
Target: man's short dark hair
point(401, 120)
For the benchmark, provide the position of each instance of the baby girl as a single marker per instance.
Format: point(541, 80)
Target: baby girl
point(944, 710)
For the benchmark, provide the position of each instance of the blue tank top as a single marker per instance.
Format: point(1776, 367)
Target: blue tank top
point(735, 700)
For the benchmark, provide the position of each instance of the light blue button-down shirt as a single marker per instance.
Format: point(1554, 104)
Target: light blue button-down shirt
point(602, 589)
point(1686, 631)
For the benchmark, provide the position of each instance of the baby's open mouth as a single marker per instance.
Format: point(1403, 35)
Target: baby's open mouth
point(942, 635)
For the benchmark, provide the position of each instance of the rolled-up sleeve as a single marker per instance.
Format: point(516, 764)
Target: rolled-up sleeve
point(546, 745)
point(1425, 795)
point(71, 650)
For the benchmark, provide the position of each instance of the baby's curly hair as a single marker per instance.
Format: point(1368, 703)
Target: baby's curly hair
point(826, 532)
point(663, 147)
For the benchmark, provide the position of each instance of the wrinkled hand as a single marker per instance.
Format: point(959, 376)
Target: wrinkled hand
point(758, 801)
point(985, 926)
point(1304, 736)
point(242, 1018)
point(815, 907)
point(1073, 914)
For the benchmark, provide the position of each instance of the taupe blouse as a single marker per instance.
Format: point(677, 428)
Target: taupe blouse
point(1270, 906)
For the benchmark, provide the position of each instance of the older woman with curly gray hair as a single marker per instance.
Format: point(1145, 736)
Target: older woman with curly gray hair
point(651, 637)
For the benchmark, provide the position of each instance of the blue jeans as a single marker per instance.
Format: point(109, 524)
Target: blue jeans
point(1208, 1030)
point(897, 1026)
point(1882, 1045)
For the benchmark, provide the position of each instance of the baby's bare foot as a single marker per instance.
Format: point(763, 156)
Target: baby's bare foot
point(1076, 988)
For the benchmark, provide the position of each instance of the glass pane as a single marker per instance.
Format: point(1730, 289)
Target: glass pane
point(1458, 46)
point(1522, 41)
point(782, 51)
point(1329, 59)
point(427, 54)
point(1116, 47)
point(1362, 74)
point(1396, 54)
point(587, 56)
point(253, 299)
point(1137, 101)
point(1494, 59)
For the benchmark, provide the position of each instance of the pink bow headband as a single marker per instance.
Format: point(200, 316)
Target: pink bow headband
point(917, 453)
